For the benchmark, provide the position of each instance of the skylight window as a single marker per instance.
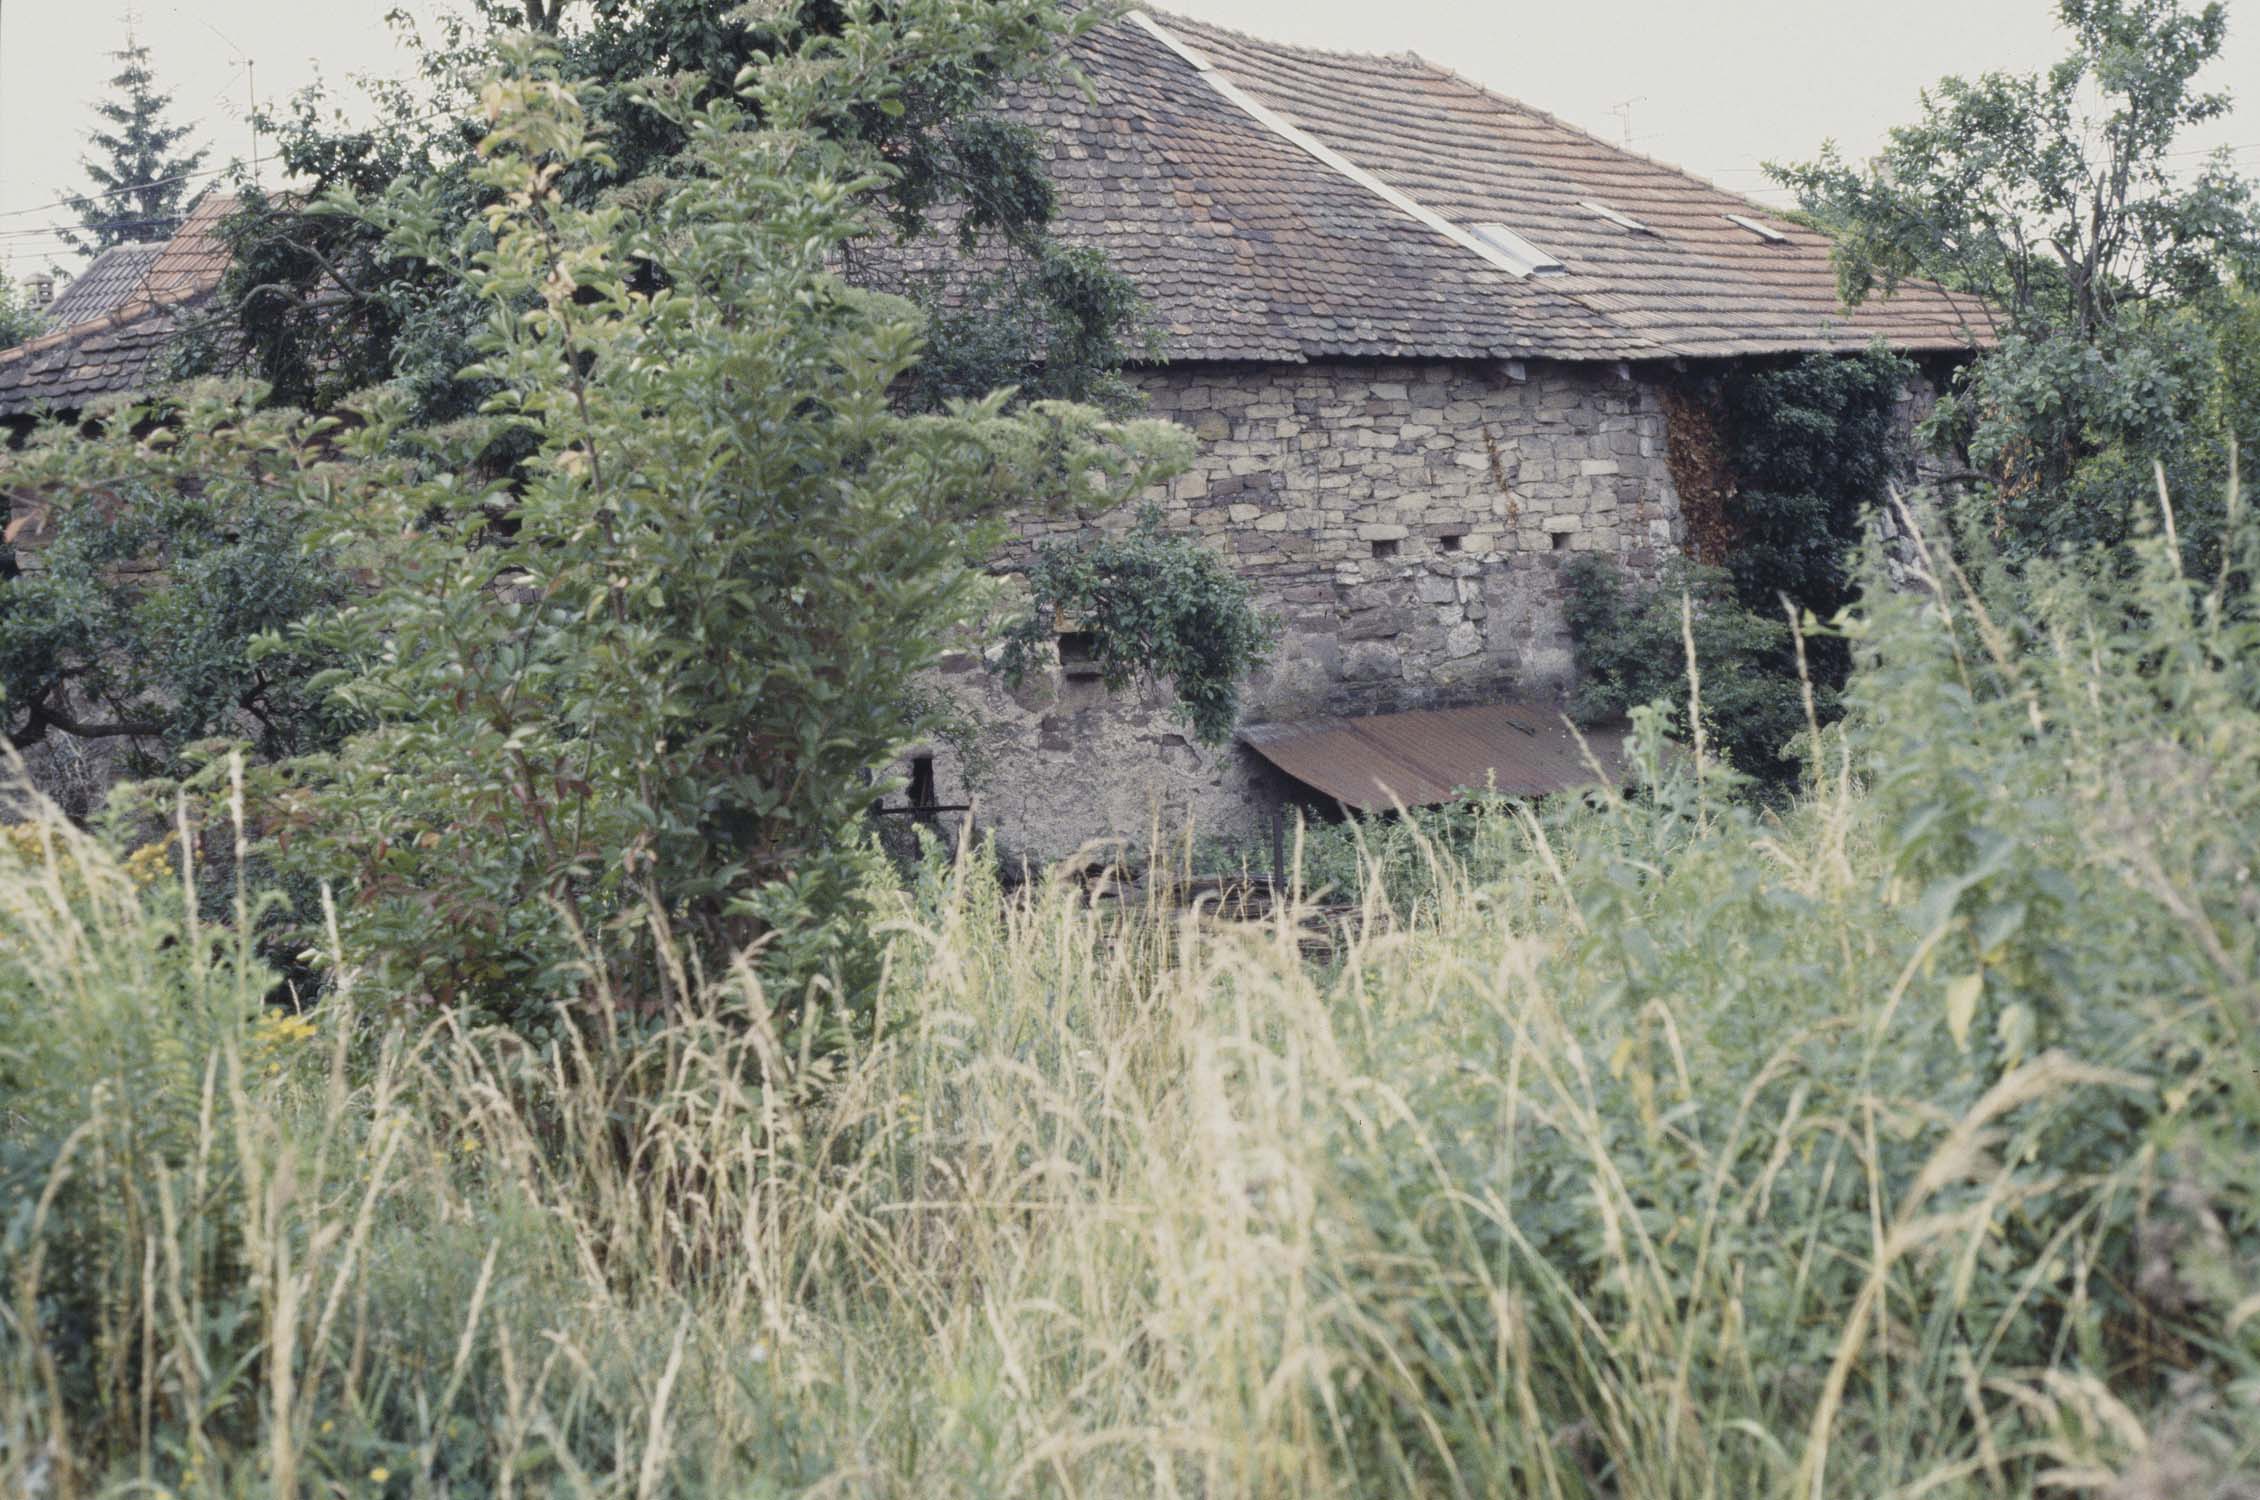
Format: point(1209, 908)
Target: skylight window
point(1622, 221)
point(1766, 232)
point(1527, 259)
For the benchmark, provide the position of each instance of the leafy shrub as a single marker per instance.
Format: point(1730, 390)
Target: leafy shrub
point(620, 699)
point(1809, 449)
point(1815, 447)
point(1632, 652)
point(1150, 607)
point(160, 562)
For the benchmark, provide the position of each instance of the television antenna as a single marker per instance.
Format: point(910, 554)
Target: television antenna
point(1623, 111)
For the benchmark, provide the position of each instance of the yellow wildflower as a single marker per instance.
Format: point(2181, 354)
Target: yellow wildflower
point(150, 863)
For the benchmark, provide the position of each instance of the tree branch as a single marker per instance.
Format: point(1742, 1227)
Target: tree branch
point(86, 731)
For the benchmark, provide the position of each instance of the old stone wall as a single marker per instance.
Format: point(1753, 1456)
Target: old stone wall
point(1405, 522)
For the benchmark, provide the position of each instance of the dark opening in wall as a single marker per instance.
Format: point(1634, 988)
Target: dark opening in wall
point(1561, 541)
point(1450, 543)
point(1079, 654)
point(1385, 549)
point(921, 792)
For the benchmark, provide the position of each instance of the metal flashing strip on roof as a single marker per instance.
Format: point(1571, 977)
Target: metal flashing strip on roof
point(1528, 258)
point(1621, 220)
point(1428, 756)
point(1295, 135)
point(1766, 232)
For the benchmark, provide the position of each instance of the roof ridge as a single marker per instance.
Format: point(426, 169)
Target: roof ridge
point(1454, 75)
point(1179, 18)
point(136, 306)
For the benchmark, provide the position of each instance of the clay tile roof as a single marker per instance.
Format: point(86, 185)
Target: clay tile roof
point(1247, 245)
point(115, 351)
point(108, 280)
point(196, 257)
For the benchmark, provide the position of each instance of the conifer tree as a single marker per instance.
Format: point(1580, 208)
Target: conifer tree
point(138, 189)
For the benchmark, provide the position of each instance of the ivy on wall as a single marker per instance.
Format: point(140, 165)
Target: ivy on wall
point(1147, 606)
point(1777, 470)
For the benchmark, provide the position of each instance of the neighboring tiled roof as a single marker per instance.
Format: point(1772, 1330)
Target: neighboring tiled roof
point(1248, 246)
point(108, 280)
point(196, 257)
point(115, 352)
point(62, 372)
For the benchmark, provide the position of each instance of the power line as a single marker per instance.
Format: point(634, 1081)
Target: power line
point(74, 199)
point(167, 221)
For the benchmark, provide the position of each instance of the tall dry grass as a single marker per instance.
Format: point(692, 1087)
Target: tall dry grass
point(1894, 1144)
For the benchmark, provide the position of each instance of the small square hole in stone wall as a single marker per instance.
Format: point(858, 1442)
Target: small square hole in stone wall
point(1385, 549)
point(1450, 543)
point(1561, 541)
point(1079, 654)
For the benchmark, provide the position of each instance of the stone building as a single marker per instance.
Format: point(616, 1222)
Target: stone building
point(1428, 339)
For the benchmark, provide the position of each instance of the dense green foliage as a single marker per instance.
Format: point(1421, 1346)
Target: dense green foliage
point(1632, 650)
point(1895, 1142)
point(607, 667)
point(158, 564)
point(328, 304)
point(1813, 449)
point(626, 700)
point(328, 294)
point(19, 320)
point(138, 172)
point(2110, 277)
point(1147, 606)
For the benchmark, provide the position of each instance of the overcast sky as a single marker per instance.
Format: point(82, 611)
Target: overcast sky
point(1714, 85)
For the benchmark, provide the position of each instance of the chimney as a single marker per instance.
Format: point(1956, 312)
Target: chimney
point(41, 288)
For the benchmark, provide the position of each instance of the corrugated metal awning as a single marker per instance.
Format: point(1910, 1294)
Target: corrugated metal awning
point(1428, 756)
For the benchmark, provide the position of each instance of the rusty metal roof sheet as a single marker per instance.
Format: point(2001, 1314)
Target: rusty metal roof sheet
point(1429, 756)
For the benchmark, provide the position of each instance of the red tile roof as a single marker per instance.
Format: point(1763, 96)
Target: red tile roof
point(1247, 245)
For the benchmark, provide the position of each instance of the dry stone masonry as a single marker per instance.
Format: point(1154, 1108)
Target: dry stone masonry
point(1406, 522)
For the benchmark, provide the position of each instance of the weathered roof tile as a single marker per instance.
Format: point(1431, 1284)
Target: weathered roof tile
point(115, 350)
point(109, 279)
point(1246, 245)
